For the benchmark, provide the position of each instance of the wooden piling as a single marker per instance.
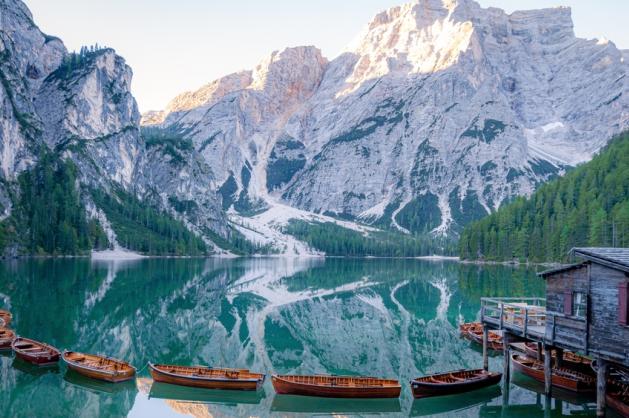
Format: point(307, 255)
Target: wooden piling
point(506, 341)
point(558, 357)
point(540, 350)
point(485, 347)
point(548, 370)
point(601, 386)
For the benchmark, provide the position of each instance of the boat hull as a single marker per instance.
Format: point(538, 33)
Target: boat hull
point(26, 350)
point(569, 383)
point(425, 389)
point(98, 375)
point(570, 360)
point(284, 387)
point(5, 318)
point(473, 333)
point(6, 338)
point(99, 367)
point(204, 382)
point(617, 405)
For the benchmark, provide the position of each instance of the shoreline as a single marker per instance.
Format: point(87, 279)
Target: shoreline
point(114, 255)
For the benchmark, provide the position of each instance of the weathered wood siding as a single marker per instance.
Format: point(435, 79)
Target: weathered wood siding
point(607, 336)
point(562, 328)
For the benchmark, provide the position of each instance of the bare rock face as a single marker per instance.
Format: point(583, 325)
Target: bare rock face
point(80, 106)
point(438, 113)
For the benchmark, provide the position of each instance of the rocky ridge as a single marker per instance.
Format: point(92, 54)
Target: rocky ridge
point(438, 113)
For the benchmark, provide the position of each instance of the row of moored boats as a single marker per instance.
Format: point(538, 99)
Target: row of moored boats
point(575, 374)
point(114, 371)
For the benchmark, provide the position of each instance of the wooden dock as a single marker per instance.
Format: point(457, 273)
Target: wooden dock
point(585, 311)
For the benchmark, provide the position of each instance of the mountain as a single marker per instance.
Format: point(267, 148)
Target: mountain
point(438, 113)
point(587, 207)
point(70, 128)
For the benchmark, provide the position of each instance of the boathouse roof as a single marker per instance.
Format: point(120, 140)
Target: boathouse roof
point(561, 269)
point(616, 258)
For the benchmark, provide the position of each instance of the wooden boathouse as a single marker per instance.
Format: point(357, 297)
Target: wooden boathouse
point(585, 311)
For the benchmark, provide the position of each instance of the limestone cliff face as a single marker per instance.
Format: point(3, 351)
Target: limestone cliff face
point(437, 113)
point(80, 106)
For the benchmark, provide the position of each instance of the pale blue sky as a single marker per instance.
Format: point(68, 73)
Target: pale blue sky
point(174, 46)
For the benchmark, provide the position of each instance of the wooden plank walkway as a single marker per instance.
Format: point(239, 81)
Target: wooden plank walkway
point(525, 317)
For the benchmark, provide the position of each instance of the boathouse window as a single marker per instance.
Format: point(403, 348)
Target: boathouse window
point(623, 304)
point(579, 304)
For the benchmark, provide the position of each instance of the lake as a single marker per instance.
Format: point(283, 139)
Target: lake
point(386, 318)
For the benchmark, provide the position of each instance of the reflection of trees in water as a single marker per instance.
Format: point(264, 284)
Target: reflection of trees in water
point(336, 315)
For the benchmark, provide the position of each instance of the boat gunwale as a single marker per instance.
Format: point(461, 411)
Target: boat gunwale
point(203, 378)
point(51, 350)
point(84, 367)
point(464, 381)
point(392, 383)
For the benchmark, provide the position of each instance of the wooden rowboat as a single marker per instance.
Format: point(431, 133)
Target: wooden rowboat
point(206, 377)
point(570, 360)
point(6, 338)
point(5, 318)
point(473, 331)
point(99, 367)
point(561, 377)
point(35, 352)
point(453, 382)
point(617, 397)
point(336, 386)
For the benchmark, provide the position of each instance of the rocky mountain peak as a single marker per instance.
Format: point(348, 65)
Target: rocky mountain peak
point(297, 69)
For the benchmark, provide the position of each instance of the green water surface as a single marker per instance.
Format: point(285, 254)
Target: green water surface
point(386, 318)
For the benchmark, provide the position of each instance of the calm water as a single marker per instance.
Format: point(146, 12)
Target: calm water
point(389, 318)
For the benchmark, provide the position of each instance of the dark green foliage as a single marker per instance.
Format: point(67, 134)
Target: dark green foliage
point(227, 191)
point(281, 171)
point(335, 240)
point(49, 217)
point(468, 210)
point(208, 141)
point(285, 161)
point(245, 176)
point(238, 243)
point(486, 168)
point(589, 206)
point(513, 174)
point(183, 206)
point(77, 60)
point(421, 214)
point(170, 142)
point(543, 168)
point(139, 226)
point(491, 129)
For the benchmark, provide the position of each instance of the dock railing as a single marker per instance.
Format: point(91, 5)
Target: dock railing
point(523, 316)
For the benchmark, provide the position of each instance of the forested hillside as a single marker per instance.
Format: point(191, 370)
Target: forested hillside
point(587, 207)
point(48, 217)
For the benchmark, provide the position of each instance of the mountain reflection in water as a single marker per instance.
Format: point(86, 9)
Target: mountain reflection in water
point(387, 318)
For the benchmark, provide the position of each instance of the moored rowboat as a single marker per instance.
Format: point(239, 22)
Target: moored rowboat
point(570, 360)
point(618, 397)
point(99, 367)
point(5, 318)
point(336, 386)
point(206, 377)
point(35, 352)
point(561, 377)
point(6, 338)
point(473, 331)
point(453, 382)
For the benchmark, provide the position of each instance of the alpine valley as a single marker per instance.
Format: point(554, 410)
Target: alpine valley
point(437, 114)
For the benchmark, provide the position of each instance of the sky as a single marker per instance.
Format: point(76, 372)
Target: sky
point(176, 46)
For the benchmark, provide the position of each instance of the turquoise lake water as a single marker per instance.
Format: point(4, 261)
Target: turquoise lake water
point(387, 318)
